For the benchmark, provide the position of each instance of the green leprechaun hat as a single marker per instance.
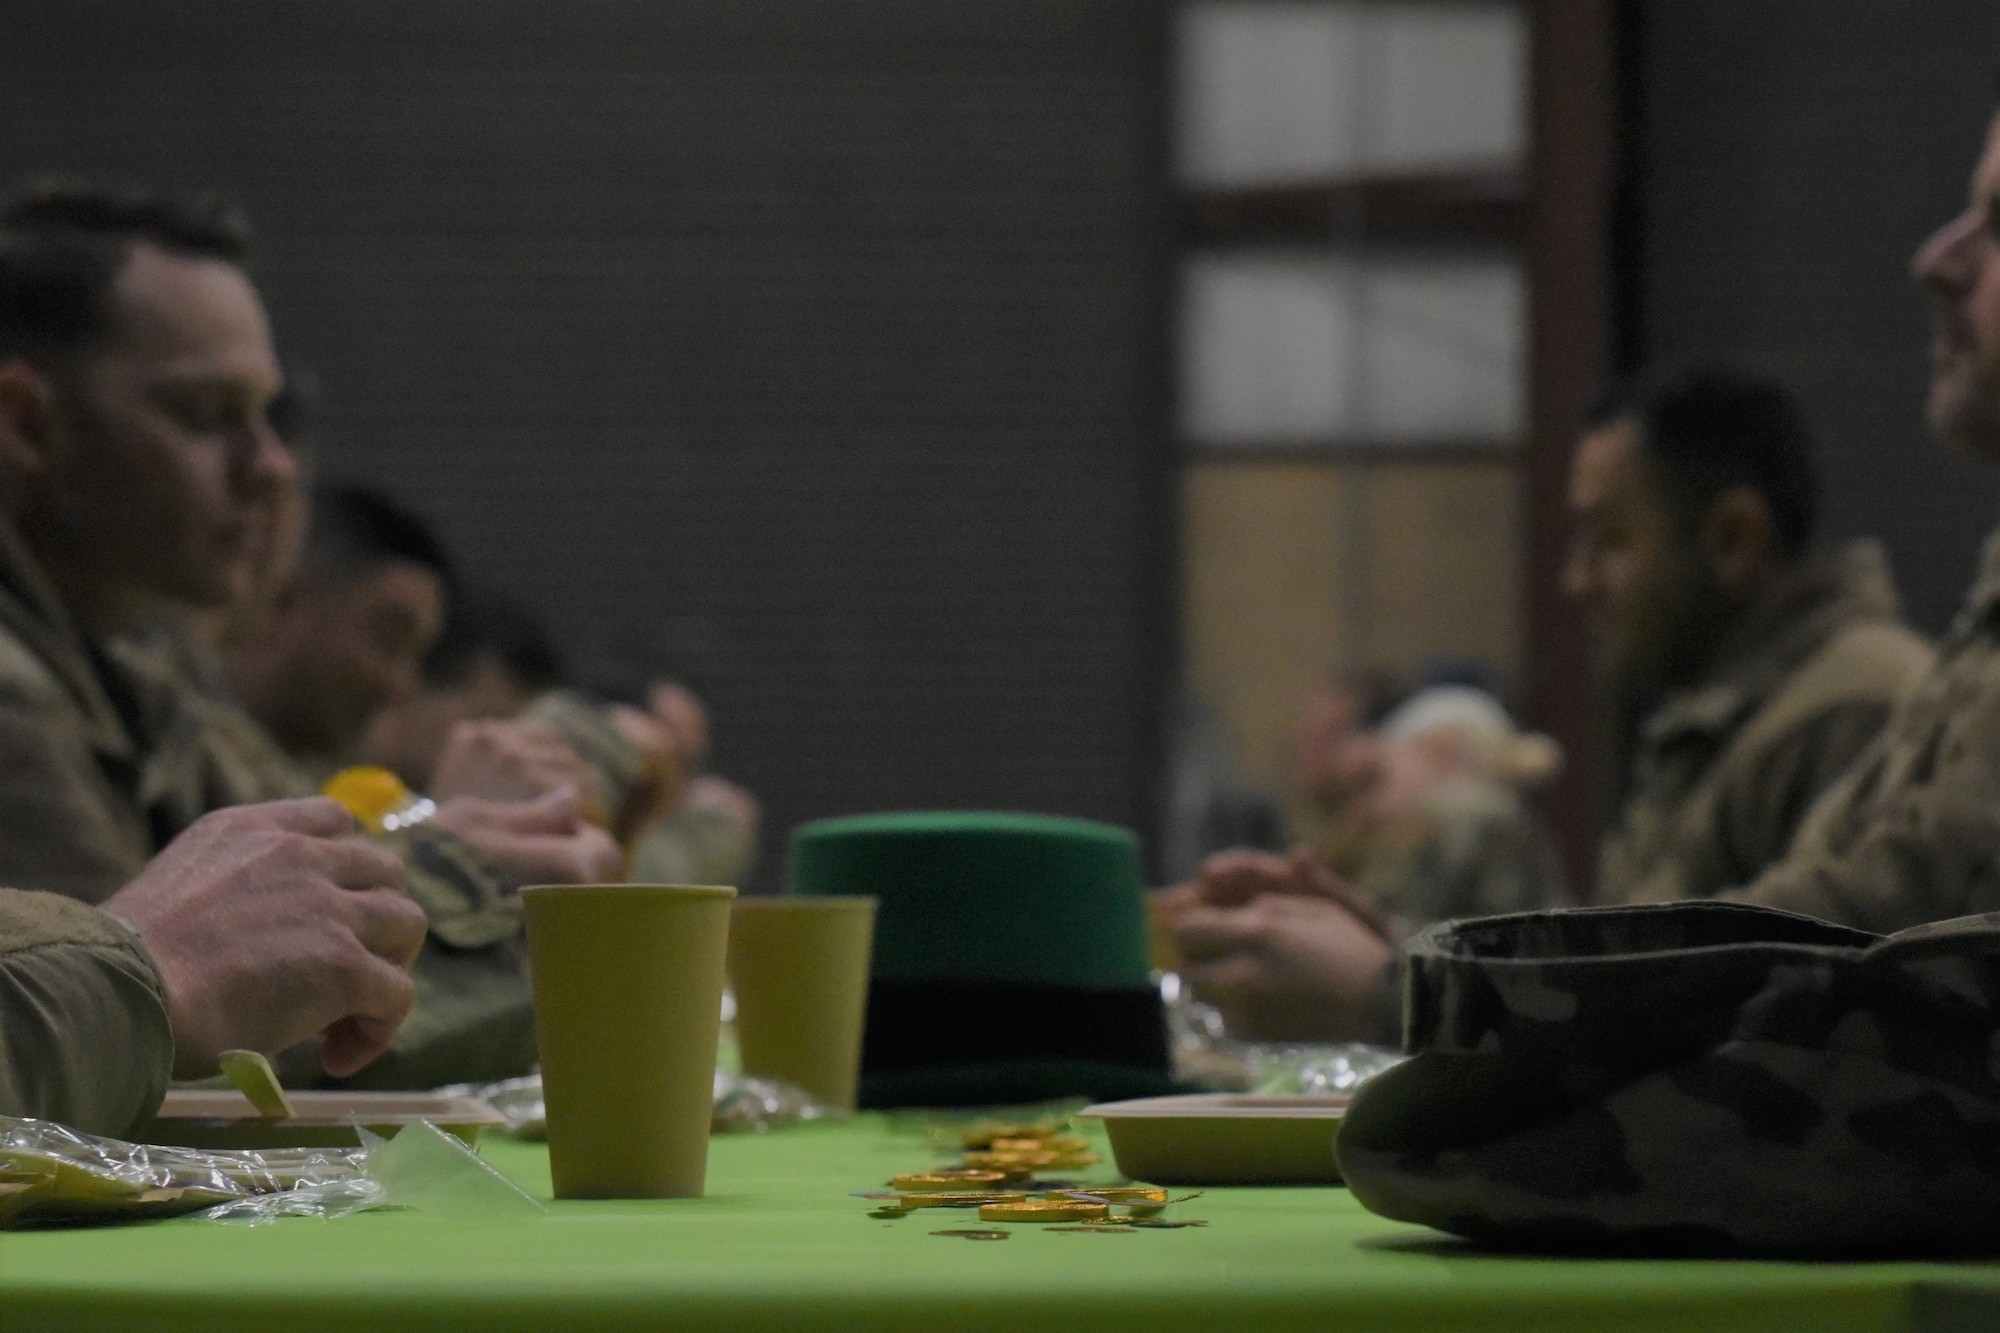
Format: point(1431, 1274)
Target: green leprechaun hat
point(1010, 958)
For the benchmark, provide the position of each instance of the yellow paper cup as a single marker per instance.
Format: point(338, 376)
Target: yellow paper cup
point(800, 969)
point(628, 1000)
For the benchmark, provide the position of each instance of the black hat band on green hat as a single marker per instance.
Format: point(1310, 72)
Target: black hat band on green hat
point(1098, 1039)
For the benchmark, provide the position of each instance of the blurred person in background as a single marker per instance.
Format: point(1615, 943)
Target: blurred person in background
point(1762, 669)
point(1209, 804)
point(1420, 795)
point(490, 660)
point(496, 665)
point(140, 468)
point(1434, 820)
point(708, 833)
point(342, 636)
point(1337, 761)
point(1447, 829)
point(1761, 666)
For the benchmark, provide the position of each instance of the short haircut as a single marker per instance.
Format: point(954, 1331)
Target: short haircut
point(485, 622)
point(63, 244)
point(1708, 429)
point(356, 530)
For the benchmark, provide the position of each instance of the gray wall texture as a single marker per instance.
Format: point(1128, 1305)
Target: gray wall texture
point(1789, 156)
point(813, 348)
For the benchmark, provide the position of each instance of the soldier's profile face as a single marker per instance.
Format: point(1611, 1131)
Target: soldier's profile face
point(165, 463)
point(342, 653)
point(1626, 564)
point(1959, 268)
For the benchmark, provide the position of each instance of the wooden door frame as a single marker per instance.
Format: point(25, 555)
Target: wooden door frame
point(1572, 187)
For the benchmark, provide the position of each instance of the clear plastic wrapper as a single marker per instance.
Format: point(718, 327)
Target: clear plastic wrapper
point(50, 1175)
point(422, 1167)
point(518, 1100)
point(1204, 1053)
point(327, 1199)
point(755, 1105)
point(1207, 1056)
point(742, 1104)
point(1322, 1071)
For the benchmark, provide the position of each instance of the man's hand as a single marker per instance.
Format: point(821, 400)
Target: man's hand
point(1285, 967)
point(271, 925)
point(1338, 759)
point(686, 719)
point(663, 777)
point(498, 760)
point(544, 841)
point(1235, 878)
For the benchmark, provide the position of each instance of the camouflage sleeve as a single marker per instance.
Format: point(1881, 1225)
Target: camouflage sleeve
point(62, 828)
point(1911, 834)
point(474, 1019)
point(1759, 819)
point(84, 1036)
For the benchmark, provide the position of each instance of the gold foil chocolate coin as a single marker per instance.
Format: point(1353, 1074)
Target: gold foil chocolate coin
point(1133, 1194)
point(1002, 1157)
point(1070, 1211)
point(959, 1198)
point(1097, 1230)
point(954, 1179)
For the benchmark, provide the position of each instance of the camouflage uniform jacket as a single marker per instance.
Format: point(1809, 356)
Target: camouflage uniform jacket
point(84, 1037)
point(1912, 832)
point(106, 755)
point(1727, 769)
point(1692, 1077)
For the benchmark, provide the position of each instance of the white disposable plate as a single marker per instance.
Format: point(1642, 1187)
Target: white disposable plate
point(1225, 1138)
point(224, 1118)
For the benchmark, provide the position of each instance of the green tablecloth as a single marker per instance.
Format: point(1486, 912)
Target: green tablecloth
point(779, 1244)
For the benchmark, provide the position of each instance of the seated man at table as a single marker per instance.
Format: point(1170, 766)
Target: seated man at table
point(258, 928)
point(136, 460)
point(1762, 671)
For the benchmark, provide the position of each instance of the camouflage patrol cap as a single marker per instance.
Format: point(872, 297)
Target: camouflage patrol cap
point(1692, 1078)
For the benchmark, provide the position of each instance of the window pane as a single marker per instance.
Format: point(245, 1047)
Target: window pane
point(1283, 91)
point(1267, 349)
point(1298, 348)
point(1446, 83)
point(1443, 351)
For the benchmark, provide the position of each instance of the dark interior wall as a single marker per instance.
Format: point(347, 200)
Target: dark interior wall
point(815, 348)
point(1790, 156)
